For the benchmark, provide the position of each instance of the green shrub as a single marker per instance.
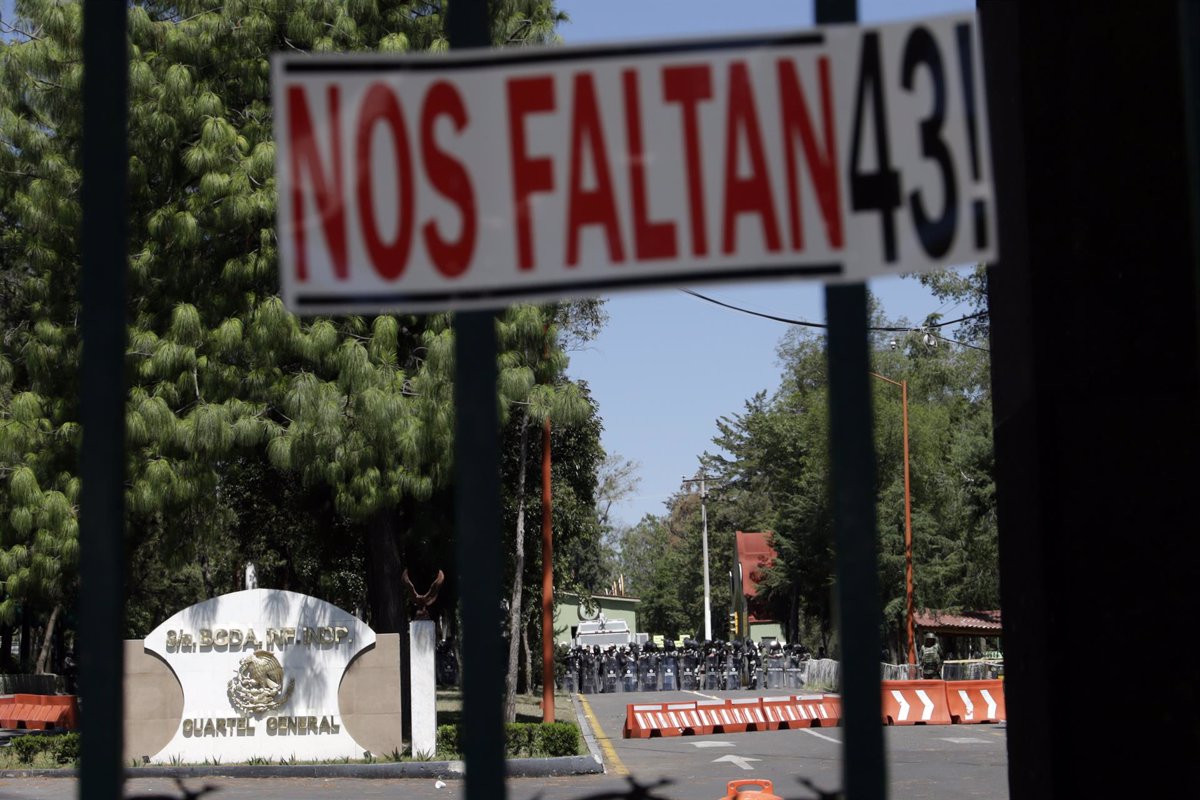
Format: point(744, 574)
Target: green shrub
point(28, 747)
point(447, 741)
point(66, 748)
point(521, 740)
point(558, 739)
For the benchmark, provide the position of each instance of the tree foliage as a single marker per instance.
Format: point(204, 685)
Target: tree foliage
point(770, 471)
point(319, 447)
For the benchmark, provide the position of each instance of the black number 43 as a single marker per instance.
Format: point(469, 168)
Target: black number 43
point(879, 189)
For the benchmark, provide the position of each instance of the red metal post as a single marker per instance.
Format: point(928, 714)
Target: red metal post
point(547, 582)
point(908, 559)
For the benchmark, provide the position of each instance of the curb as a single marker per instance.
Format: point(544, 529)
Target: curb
point(562, 766)
point(585, 728)
point(514, 768)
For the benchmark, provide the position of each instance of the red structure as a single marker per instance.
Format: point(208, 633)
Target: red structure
point(753, 554)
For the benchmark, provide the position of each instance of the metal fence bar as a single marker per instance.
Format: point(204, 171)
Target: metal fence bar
point(852, 462)
point(102, 398)
point(479, 552)
point(477, 507)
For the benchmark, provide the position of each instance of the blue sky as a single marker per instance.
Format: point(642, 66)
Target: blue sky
point(667, 365)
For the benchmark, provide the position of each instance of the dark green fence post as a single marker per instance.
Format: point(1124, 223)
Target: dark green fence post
point(102, 399)
point(852, 455)
point(477, 507)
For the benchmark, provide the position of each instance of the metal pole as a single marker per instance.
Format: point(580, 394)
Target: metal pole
point(703, 481)
point(477, 507)
point(102, 381)
point(852, 462)
point(908, 554)
point(547, 580)
point(704, 545)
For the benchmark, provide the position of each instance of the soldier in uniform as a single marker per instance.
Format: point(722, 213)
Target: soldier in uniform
point(931, 658)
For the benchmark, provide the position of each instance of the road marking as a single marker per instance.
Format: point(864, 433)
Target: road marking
point(701, 694)
point(811, 732)
point(964, 740)
point(712, 743)
point(610, 752)
point(741, 761)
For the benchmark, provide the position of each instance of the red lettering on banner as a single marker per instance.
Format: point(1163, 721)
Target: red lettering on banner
point(750, 195)
point(822, 164)
point(688, 86)
point(590, 206)
point(527, 96)
point(449, 178)
point(651, 239)
point(380, 105)
point(331, 205)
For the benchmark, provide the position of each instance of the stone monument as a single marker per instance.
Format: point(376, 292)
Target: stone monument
point(260, 671)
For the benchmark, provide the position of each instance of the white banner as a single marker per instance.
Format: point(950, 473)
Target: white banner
point(482, 178)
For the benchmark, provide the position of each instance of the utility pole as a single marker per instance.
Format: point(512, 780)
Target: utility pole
point(703, 481)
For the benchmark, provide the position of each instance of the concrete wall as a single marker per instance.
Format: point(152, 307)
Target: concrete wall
point(369, 699)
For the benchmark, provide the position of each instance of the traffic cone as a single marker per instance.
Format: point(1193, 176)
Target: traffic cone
point(751, 789)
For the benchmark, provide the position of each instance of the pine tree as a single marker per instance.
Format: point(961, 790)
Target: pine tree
point(219, 372)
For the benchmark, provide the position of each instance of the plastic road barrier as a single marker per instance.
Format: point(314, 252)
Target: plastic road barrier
point(976, 701)
point(702, 717)
point(915, 703)
point(41, 712)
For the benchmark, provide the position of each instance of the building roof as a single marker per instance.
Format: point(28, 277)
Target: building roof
point(754, 552)
point(966, 623)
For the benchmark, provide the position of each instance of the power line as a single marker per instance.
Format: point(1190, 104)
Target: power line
point(807, 324)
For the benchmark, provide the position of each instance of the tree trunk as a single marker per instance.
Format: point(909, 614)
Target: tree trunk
point(383, 573)
point(47, 636)
point(514, 600)
point(26, 639)
point(6, 640)
point(206, 577)
point(528, 659)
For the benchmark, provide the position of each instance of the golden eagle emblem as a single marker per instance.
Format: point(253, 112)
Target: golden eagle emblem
point(259, 684)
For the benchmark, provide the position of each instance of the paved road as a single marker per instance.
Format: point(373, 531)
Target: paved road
point(959, 761)
point(950, 762)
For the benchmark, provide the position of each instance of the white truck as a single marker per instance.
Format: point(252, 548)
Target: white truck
point(604, 632)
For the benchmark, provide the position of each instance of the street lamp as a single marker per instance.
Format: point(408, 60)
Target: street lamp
point(703, 481)
point(908, 564)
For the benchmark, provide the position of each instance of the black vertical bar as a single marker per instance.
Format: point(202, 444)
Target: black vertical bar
point(1189, 44)
point(102, 378)
point(477, 507)
point(852, 456)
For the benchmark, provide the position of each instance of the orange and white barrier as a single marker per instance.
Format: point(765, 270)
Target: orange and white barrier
point(904, 703)
point(915, 703)
point(976, 701)
point(786, 713)
point(39, 711)
point(739, 715)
